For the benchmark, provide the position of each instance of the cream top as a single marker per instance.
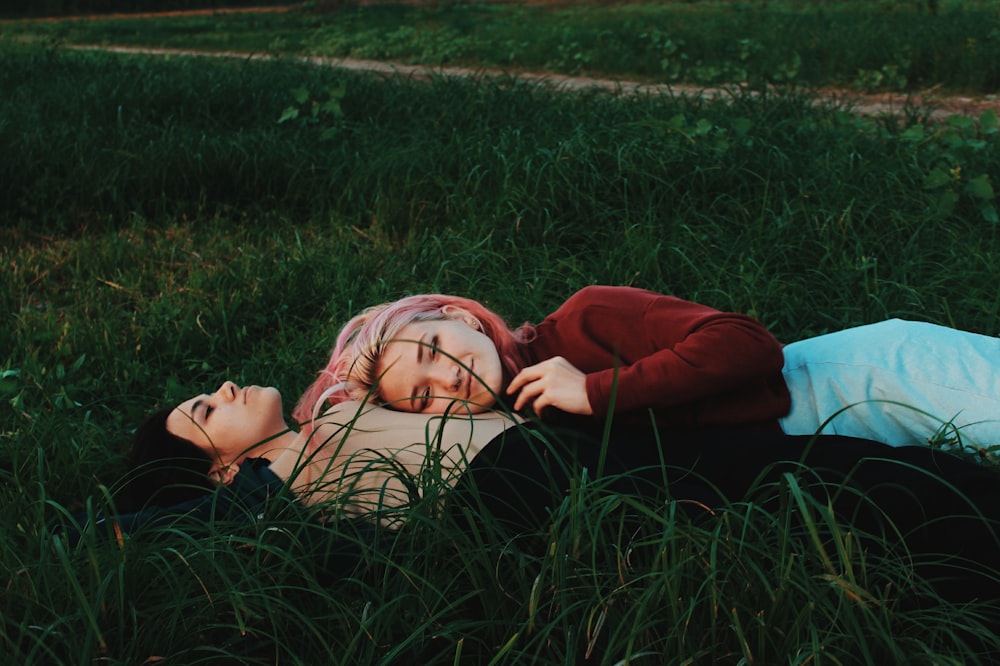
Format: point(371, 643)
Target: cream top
point(364, 456)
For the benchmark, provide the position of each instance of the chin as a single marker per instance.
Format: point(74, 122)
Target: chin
point(270, 396)
point(483, 402)
point(269, 393)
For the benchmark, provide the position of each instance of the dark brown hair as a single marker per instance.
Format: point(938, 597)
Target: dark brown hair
point(165, 469)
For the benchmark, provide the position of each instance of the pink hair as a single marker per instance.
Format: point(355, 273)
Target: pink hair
point(352, 372)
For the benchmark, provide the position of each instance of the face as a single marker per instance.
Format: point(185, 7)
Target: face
point(228, 424)
point(431, 364)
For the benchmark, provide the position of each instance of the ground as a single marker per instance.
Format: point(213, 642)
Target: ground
point(936, 104)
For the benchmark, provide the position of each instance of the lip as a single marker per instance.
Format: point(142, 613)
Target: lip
point(246, 392)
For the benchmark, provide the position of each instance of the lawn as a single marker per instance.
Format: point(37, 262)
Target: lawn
point(169, 223)
point(895, 46)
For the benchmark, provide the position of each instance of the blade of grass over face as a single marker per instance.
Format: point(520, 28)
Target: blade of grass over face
point(161, 231)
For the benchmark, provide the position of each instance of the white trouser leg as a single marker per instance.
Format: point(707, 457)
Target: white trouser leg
point(900, 382)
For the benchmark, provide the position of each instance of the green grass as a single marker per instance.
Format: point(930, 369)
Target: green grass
point(52, 8)
point(884, 45)
point(161, 231)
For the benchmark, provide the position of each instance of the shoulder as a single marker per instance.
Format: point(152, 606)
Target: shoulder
point(597, 308)
point(602, 303)
point(610, 297)
point(353, 426)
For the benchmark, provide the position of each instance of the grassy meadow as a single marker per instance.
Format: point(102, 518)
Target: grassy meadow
point(884, 45)
point(169, 223)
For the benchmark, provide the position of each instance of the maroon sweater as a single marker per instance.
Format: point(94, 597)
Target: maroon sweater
point(691, 363)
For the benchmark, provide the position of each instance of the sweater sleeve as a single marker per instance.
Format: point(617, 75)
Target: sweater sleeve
point(666, 351)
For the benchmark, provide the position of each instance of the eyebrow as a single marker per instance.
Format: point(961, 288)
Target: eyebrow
point(196, 405)
point(420, 348)
point(420, 360)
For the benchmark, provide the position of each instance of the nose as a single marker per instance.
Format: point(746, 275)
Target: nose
point(447, 377)
point(228, 390)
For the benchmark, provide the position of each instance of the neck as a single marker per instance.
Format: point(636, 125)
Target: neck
point(273, 448)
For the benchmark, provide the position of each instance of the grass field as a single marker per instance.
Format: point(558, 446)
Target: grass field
point(166, 224)
point(894, 46)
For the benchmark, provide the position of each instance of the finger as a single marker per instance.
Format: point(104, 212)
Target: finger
point(540, 404)
point(522, 399)
point(515, 384)
point(522, 378)
point(527, 395)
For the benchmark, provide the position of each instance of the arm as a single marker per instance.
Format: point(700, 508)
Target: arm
point(650, 350)
point(694, 352)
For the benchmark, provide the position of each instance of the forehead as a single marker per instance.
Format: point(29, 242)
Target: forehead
point(416, 336)
point(411, 338)
point(398, 351)
point(406, 337)
point(399, 356)
point(181, 421)
point(415, 329)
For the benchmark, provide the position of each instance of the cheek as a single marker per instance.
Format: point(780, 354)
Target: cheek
point(493, 373)
point(202, 439)
point(388, 387)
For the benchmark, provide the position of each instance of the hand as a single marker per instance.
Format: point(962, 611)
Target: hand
point(224, 475)
point(551, 383)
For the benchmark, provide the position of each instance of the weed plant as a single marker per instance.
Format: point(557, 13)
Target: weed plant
point(162, 231)
point(894, 46)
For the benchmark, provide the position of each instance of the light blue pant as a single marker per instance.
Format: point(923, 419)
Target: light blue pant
point(898, 382)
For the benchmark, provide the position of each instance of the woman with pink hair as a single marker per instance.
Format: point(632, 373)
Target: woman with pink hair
point(630, 352)
point(354, 370)
point(606, 350)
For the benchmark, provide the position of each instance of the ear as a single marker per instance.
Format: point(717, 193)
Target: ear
point(224, 474)
point(461, 314)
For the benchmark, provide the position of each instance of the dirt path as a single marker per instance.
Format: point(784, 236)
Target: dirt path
point(937, 106)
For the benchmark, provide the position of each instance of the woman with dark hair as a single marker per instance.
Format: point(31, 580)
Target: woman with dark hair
point(359, 459)
point(203, 442)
